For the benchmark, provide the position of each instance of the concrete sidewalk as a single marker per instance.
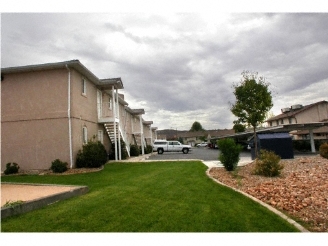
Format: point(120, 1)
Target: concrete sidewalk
point(213, 163)
point(242, 162)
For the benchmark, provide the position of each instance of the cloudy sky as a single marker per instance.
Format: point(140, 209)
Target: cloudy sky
point(180, 66)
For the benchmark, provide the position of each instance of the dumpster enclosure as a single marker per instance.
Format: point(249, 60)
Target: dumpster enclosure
point(280, 143)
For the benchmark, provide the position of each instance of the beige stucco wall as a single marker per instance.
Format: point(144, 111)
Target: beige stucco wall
point(106, 110)
point(34, 144)
point(286, 121)
point(316, 113)
point(34, 95)
point(83, 106)
point(34, 119)
point(84, 113)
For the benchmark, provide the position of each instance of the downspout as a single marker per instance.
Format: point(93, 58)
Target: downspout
point(114, 112)
point(69, 118)
point(119, 126)
point(141, 136)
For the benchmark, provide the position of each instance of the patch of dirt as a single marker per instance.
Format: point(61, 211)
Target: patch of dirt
point(301, 191)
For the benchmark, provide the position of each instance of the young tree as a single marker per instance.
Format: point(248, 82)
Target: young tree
point(253, 101)
point(238, 127)
point(196, 126)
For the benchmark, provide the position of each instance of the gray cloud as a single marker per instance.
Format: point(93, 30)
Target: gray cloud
point(181, 67)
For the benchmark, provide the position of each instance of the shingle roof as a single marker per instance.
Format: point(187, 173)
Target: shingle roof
point(75, 64)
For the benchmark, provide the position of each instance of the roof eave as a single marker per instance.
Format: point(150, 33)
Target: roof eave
point(75, 64)
point(108, 84)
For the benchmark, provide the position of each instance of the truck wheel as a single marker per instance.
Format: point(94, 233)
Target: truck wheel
point(160, 151)
point(185, 151)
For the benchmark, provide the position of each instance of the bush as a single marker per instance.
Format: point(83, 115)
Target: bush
point(323, 150)
point(11, 168)
point(148, 149)
point(267, 164)
point(123, 151)
point(305, 145)
point(134, 150)
point(57, 166)
point(93, 154)
point(229, 155)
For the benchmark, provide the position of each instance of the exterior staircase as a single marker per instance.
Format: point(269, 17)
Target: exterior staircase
point(119, 134)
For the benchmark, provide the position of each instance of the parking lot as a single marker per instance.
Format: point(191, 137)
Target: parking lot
point(201, 153)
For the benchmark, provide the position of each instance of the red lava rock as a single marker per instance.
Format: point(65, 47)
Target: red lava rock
point(301, 191)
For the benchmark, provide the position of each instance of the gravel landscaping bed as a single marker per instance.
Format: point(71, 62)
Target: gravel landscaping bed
point(301, 191)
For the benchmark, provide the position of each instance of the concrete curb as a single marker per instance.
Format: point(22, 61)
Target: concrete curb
point(41, 202)
point(272, 209)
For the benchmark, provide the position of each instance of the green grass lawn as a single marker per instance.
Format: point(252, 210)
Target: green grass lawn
point(146, 197)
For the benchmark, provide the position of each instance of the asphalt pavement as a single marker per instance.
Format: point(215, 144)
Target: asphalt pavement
point(209, 157)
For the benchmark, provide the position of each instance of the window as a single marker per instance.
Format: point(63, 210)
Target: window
point(282, 121)
point(84, 87)
point(84, 135)
point(100, 136)
point(290, 120)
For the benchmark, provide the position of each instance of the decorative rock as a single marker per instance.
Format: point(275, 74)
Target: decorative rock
point(301, 190)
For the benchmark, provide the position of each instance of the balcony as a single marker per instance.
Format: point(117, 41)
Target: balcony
point(103, 120)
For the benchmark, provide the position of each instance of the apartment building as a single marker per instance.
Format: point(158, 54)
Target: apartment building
point(48, 111)
point(302, 114)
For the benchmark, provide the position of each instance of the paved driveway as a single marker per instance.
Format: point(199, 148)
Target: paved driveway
point(201, 153)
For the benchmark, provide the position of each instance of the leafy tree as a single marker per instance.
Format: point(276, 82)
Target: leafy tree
point(196, 126)
point(202, 138)
point(239, 127)
point(253, 101)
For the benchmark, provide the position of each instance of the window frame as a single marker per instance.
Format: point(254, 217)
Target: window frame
point(84, 86)
point(100, 136)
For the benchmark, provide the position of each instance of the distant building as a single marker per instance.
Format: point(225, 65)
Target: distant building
point(193, 138)
point(299, 114)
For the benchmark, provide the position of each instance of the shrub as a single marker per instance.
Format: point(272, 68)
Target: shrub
point(93, 154)
point(57, 166)
point(267, 164)
point(134, 150)
point(305, 145)
point(148, 149)
point(229, 155)
point(11, 168)
point(123, 151)
point(323, 150)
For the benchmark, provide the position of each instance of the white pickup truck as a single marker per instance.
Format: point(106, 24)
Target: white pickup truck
point(162, 146)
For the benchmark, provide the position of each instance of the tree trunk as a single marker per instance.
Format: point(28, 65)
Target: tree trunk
point(255, 142)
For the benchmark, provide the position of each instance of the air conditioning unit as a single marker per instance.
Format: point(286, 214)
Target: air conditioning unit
point(296, 106)
point(285, 110)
